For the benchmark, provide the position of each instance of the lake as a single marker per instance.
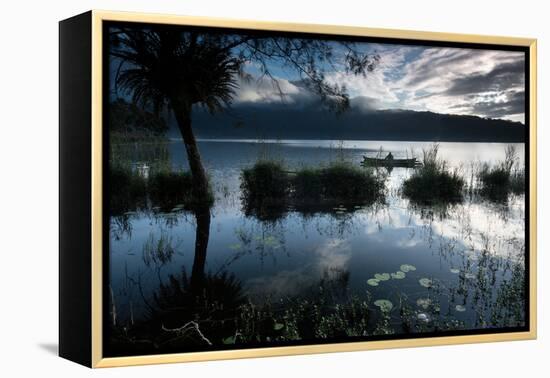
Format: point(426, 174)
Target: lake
point(416, 268)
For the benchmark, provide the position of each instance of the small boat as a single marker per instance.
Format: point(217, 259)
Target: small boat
point(381, 162)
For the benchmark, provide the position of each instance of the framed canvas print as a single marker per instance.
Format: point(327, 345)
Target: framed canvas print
point(235, 189)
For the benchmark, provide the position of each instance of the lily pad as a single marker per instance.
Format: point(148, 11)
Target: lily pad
point(278, 326)
point(460, 308)
point(470, 276)
point(424, 302)
point(426, 282)
point(229, 340)
point(423, 317)
point(382, 277)
point(398, 275)
point(455, 271)
point(373, 282)
point(407, 268)
point(384, 304)
point(271, 241)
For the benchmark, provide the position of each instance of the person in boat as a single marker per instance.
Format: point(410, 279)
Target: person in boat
point(389, 156)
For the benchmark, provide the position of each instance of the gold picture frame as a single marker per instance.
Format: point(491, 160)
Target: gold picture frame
point(96, 19)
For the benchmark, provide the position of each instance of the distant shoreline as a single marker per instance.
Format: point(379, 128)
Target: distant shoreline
point(335, 141)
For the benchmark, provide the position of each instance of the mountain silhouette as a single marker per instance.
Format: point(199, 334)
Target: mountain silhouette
point(280, 121)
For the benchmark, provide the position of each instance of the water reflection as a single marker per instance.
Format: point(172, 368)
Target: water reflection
point(194, 279)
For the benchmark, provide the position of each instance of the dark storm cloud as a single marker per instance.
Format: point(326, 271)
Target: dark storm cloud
point(514, 104)
point(501, 78)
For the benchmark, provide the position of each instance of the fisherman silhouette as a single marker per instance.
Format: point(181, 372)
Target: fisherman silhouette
point(389, 156)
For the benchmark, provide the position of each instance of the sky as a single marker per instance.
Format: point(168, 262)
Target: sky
point(485, 83)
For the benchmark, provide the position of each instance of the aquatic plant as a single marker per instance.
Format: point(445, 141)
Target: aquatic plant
point(399, 275)
point(373, 282)
point(425, 282)
point(168, 189)
point(382, 276)
point(503, 178)
point(265, 189)
point(460, 308)
point(405, 268)
point(346, 184)
point(424, 302)
point(269, 188)
point(384, 305)
point(433, 182)
point(127, 190)
point(158, 251)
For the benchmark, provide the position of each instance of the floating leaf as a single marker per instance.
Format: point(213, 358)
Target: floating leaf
point(455, 271)
point(229, 340)
point(373, 282)
point(460, 308)
point(426, 282)
point(424, 302)
point(423, 317)
point(407, 268)
point(278, 326)
point(384, 304)
point(382, 277)
point(470, 276)
point(398, 275)
point(271, 241)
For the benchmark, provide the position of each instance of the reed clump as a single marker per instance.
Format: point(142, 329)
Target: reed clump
point(130, 190)
point(270, 186)
point(434, 181)
point(503, 178)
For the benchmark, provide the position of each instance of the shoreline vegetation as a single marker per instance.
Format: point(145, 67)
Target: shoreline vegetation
point(270, 188)
point(132, 190)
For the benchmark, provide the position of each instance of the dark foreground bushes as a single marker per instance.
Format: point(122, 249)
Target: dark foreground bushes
point(433, 182)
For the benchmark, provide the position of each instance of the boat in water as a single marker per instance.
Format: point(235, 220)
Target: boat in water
point(384, 162)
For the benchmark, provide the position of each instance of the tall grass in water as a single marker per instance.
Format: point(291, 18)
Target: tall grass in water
point(434, 182)
point(130, 191)
point(127, 190)
point(340, 182)
point(269, 187)
point(169, 188)
point(498, 181)
point(265, 188)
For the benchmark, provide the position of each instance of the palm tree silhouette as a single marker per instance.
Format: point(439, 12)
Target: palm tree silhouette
point(176, 68)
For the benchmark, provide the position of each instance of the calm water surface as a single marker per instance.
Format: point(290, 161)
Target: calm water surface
point(454, 247)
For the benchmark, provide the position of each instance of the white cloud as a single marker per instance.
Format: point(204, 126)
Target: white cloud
point(266, 90)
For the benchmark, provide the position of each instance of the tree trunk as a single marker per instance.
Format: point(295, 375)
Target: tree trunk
point(202, 234)
point(200, 190)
